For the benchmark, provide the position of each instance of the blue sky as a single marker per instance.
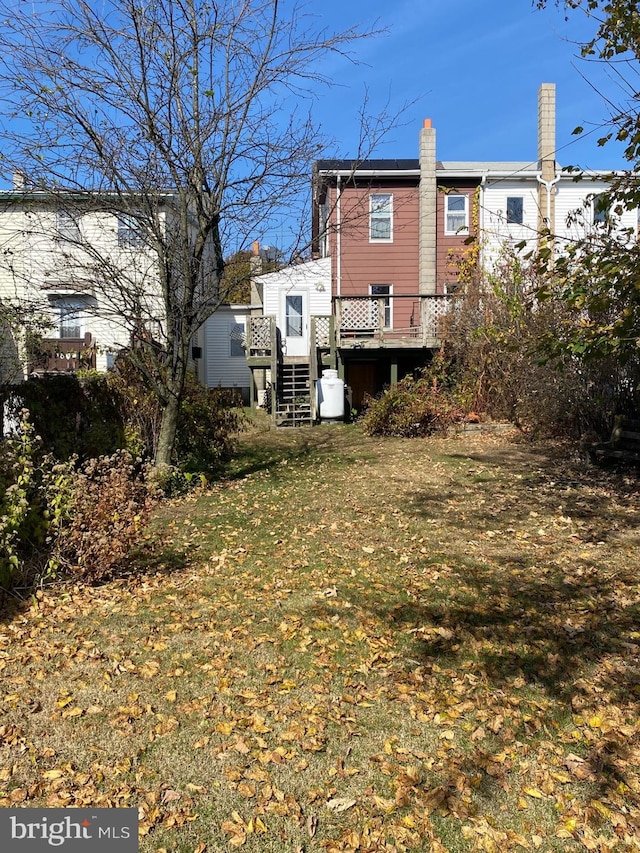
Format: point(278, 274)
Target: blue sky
point(474, 68)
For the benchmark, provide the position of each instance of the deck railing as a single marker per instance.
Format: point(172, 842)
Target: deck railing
point(62, 355)
point(369, 319)
point(359, 320)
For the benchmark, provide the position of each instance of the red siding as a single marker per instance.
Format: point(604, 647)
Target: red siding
point(364, 263)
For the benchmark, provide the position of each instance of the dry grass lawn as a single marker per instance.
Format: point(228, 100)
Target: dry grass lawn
point(351, 644)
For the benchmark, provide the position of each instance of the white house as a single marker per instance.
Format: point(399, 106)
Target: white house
point(83, 270)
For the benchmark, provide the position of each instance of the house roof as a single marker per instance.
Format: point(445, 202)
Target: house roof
point(382, 165)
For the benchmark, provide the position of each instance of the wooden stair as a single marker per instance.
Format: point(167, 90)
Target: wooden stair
point(293, 399)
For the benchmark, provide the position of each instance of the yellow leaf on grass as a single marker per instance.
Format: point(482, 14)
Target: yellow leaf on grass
point(171, 695)
point(73, 712)
point(52, 774)
point(534, 792)
point(601, 809)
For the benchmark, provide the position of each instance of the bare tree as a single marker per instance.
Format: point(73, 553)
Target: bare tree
point(188, 119)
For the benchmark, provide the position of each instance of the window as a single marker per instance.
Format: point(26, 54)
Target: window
point(293, 315)
point(67, 226)
point(130, 232)
point(381, 217)
point(69, 312)
point(381, 290)
point(456, 214)
point(600, 209)
point(236, 336)
point(515, 209)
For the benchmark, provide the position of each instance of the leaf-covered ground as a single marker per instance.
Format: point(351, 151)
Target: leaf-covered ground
point(352, 644)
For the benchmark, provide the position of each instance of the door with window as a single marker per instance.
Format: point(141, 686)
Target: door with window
point(294, 322)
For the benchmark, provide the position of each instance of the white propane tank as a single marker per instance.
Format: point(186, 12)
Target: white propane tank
point(330, 391)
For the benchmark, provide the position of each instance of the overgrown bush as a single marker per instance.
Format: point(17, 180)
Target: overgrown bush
point(75, 414)
point(92, 414)
point(54, 518)
point(35, 506)
point(496, 346)
point(111, 505)
point(209, 419)
point(412, 407)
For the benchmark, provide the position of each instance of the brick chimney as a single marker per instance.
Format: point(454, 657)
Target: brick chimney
point(546, 155)
point(255, 270)
point(428, 200)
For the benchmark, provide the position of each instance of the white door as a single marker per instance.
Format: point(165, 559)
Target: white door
point(294, 321)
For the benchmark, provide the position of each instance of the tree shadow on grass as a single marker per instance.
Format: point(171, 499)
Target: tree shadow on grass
point(279, 446)
point(552, 616)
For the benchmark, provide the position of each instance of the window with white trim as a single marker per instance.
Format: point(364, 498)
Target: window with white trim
point(381, 217)
point(69, 316)
point(130, 232)
point(236, 340)
point(456, 213)
point(515, 209)
point(600, 205)
point(67, 225)
point(381, 290)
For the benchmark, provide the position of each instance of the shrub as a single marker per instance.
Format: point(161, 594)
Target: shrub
point(90, 414)
point(111, 505)
point(209, 419)
point(34, 508)
point(496, 341)
point(54, 518)
point(412, 407)
point(74, 414)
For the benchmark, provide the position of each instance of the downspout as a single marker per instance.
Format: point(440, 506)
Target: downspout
point(548, 185)
point(337, 312)
point(480, 235)
point(338, 236)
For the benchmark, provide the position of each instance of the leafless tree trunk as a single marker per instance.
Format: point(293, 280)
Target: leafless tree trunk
point(192, 118)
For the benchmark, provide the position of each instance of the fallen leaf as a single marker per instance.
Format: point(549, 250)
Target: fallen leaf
point(340, 804)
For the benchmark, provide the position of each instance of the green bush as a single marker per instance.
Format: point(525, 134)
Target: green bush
point(209, 419)
point(74, 414)
point(92, 414)
point(35, 507)
point(55, 518)
point(412, 407)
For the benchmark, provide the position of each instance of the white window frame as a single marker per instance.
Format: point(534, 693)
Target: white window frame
point(388, 304)
point(65, 308)
point(599, 217)
point(237, 332)
point(130, 233)
point(380, 211)
point(515, 221)
point(67, 225)
point(462, 230)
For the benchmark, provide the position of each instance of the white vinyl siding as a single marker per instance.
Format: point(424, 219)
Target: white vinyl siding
point(313, 276)
point(222, 343)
